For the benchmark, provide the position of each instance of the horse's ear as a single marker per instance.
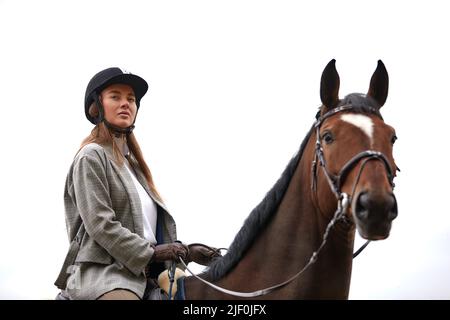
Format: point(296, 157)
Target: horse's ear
point(379, 84)
point(329, 85)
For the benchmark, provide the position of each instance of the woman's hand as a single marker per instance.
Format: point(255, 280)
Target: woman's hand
point(169, 251)
point(202, 254)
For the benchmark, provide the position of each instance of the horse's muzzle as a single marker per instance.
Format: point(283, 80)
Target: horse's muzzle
point(373, 213)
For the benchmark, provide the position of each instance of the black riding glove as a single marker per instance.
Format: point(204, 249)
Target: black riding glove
point(169, 251)
point(202, 254)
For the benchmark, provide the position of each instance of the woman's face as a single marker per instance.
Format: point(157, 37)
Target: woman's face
point(119, 104)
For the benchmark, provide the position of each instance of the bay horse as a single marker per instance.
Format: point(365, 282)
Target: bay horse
point(341, 180)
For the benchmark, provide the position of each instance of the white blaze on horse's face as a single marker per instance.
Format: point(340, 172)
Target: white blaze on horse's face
point(362, 122)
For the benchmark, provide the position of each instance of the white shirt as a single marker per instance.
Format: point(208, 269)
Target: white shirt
point(149, 210)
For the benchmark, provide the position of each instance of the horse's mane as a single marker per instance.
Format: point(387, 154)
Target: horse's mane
point(263, 212)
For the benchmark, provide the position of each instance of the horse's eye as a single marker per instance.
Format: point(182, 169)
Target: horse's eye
point(327, 137)
point(393, 139)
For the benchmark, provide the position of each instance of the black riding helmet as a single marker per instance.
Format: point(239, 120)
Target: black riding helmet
point(104, 79)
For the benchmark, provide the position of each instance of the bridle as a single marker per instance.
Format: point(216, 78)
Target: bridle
point(335, 182)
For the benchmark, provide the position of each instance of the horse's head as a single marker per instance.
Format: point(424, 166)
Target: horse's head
point(354, 149)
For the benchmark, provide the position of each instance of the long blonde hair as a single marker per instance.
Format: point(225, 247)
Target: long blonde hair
point(102, 135)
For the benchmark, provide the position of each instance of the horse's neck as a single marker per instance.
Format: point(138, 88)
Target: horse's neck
point(288, 243)
point(285, 247)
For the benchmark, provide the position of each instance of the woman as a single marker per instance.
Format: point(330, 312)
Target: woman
point(122, 235)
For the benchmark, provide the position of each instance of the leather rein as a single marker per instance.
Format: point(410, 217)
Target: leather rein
point(335, 182)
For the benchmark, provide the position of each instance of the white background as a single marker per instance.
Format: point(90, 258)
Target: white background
point(234, 87)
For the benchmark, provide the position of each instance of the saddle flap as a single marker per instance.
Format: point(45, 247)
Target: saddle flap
point(164, 281)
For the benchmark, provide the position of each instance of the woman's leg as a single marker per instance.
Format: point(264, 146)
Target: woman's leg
point(119, 294)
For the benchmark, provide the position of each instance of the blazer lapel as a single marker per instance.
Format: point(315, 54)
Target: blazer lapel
point(133, 195)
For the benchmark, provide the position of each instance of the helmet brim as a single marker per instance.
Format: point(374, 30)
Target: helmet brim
point(138, 84)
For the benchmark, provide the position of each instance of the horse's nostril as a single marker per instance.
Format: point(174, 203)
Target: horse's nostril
point(362, 204)
point(393, 212)
point(364, 200)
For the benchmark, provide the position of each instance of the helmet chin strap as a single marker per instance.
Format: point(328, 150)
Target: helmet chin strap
point(118, 130)
point(101, 117)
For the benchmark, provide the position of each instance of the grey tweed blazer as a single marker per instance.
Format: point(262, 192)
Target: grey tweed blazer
point(105, 226)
